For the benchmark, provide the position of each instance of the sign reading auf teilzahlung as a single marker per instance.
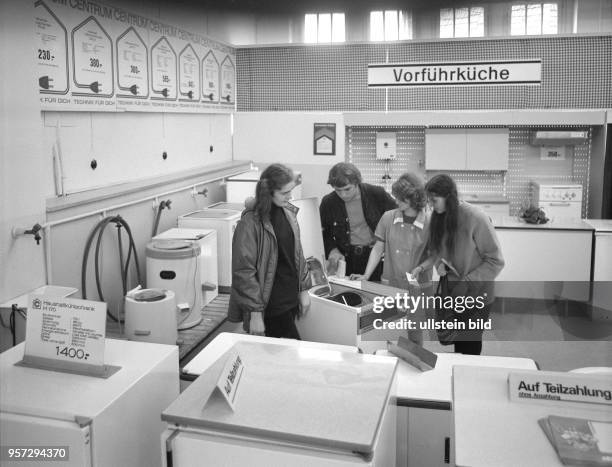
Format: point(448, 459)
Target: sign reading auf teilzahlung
point(455, 73)
point(551, 386)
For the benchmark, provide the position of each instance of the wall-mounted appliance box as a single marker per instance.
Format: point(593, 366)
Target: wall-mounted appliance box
point(558, 138)
point(386, 145)
point(466, 149)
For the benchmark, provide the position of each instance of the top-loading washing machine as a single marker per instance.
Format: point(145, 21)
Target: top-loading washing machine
point(242, 186)
point(224, 222)
point(225, 205)
point(343, 312)
point(207, 240)
point(175, 265)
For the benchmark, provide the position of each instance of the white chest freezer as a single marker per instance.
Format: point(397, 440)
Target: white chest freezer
point(207, 240)
point(242, 186)
point(224, 222)
point(103, 422)
point(294, 406)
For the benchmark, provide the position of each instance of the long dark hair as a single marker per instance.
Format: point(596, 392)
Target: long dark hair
point(273, 178)
point(443, 225)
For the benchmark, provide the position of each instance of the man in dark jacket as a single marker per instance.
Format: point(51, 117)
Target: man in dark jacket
point(349, 216)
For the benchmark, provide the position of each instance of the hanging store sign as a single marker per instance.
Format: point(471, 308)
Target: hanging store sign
point(455, 73)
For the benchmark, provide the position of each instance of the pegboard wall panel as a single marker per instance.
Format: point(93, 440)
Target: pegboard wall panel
point(524, 163)
point(410, 157)
point(575, 74)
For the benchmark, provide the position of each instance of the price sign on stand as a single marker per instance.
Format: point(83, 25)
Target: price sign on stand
point(65, 334)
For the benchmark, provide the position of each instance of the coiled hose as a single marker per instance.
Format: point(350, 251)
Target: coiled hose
point(99, 230)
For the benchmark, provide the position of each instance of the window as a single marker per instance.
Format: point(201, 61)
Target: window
point(533, 19)
point(462, 22)
point(390, 25)
point(324, 27)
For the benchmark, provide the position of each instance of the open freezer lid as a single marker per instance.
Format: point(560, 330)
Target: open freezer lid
point(315, 397)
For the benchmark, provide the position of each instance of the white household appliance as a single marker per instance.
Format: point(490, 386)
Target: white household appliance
point(150, 316)
point(293, 406)
point(175, 265)
point(224, 222)
point(103, 422)
point(242, 186)
point(21, 314)
point(225, 205)
point(207, 240)
point(341, 311)
point(560, 201)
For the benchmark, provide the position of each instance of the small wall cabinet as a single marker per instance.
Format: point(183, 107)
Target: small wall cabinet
point(466, 149)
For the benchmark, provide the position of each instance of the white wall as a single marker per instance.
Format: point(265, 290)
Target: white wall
point(127, 146)
point(287, 137)
point(22, 176)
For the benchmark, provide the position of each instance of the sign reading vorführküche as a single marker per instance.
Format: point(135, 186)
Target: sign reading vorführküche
point(455, 73)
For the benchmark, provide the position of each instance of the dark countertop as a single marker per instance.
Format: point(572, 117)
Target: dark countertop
point(600, 225)
point(483, 198)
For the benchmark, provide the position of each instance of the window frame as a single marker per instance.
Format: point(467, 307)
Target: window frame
point(399, 27)
point(470, 24)
point(526, 5)
point(332, 15)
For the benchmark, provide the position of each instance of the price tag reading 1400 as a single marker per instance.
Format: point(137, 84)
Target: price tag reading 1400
point(71, 352)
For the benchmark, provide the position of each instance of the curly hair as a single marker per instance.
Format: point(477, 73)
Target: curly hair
point(410, 188)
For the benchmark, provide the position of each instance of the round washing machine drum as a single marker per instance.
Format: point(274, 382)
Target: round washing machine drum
point(174, 265)
point(150, 316)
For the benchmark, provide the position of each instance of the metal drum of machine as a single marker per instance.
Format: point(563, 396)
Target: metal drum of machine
point(174, 265)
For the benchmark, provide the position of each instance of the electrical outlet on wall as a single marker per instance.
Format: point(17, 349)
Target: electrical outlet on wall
point(386, 145)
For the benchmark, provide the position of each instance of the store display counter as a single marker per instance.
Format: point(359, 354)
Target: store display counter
point(425, 408)
point(490, 429)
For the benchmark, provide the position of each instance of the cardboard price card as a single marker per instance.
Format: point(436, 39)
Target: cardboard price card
point(65, 333)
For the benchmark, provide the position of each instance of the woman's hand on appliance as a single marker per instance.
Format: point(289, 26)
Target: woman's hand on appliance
point(304, 302)
point(256, 326)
